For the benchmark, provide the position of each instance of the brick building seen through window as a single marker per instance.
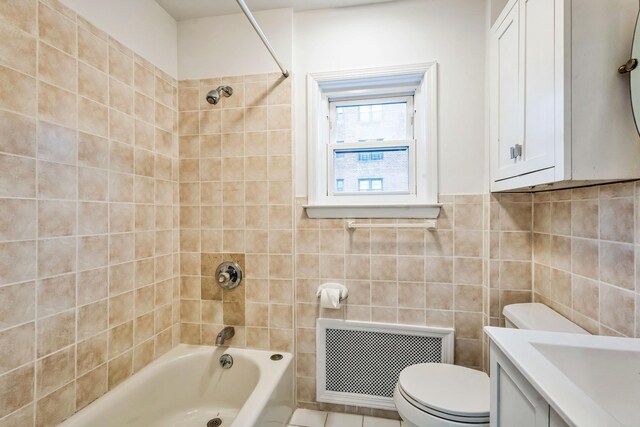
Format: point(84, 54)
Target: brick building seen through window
point(371, 170)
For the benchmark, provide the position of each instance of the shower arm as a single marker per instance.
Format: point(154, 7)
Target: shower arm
point(256, 27)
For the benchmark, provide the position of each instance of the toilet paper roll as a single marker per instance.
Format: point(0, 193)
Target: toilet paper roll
point(330, 298)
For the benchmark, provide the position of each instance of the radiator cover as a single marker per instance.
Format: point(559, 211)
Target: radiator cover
point(358, 363)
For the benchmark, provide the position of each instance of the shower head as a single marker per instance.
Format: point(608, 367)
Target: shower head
point(213, 97)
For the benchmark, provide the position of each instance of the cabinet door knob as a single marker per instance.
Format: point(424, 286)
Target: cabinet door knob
point(512, 152)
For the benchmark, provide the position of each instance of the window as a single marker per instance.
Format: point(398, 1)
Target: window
point(370, 184)
point(367, 156)
point(360, 146)
point(372, 143)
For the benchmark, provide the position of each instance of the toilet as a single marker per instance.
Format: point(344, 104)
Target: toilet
point(444, 395)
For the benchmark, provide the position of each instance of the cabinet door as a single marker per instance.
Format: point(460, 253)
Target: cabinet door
point(537, 19)
point(506, 95)
point(514, 402)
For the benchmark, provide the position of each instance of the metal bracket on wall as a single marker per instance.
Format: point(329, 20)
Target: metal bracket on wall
point(628, 66)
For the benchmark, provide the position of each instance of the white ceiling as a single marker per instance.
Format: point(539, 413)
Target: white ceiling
point(190, 9)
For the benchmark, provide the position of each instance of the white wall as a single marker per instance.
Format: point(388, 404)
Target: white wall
point(487, 68)
point(451, 32)
point(228, 46)
point(141, 25)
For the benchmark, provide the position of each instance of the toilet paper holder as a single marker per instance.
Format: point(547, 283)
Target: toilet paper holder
point(344, 292)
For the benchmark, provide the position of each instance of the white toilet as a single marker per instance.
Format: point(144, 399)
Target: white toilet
point(443, 395)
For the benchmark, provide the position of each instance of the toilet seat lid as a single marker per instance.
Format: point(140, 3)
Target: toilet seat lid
point(450, 389)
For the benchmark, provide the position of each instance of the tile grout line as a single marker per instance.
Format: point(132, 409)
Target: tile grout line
point(37, 219)
point(77, 221)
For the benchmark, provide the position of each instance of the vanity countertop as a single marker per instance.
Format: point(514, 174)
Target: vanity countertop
point(591, 381)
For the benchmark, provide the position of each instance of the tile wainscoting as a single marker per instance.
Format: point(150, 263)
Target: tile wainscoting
point(89, 237)
point(586, 246)
point(236, 197)
point(394, 275)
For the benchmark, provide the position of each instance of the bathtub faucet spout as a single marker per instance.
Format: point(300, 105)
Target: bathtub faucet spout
point(225, 334)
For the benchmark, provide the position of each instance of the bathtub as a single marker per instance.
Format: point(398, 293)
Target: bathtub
point(187, 387)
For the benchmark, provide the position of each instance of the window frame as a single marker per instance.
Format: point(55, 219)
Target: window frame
point(419, 81)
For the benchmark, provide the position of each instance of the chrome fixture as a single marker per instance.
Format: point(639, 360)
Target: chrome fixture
point(226, 361)
point(213, 97)
point(256, 27)
point(225, 334)
point(215, 422)
point(229, 275)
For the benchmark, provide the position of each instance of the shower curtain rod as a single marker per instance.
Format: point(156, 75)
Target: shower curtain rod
point(256, 27)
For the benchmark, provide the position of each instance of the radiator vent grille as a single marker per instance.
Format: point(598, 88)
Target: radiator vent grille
point(361, 362)
point(370, 362)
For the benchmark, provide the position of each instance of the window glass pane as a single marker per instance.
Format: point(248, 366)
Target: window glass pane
point(365, 113)
point(376, 112)
point(371, 122)
point(383, 170)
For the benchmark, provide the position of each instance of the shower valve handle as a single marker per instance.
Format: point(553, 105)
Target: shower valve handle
point(229, 275)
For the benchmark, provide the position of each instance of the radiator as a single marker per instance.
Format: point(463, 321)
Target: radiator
point(358, 363)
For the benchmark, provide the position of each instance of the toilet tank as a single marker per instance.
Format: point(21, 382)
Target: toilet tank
point(539, 317)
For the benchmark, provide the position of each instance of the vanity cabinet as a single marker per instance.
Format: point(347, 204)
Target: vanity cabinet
point(514, 402)
point(560, 114)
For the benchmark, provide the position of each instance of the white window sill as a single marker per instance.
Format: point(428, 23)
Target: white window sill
point(428, 211)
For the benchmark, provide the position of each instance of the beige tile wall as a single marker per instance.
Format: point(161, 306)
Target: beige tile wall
point(394, 275)
point(88, 230)
point(585, 246)
point(508, 252)
point(510, 277)
point(236, 203)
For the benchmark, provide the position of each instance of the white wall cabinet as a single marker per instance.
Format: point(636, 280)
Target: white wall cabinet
point(507, 70)
point(560, 114)
point(514, 402)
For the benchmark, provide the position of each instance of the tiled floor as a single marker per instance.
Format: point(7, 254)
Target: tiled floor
point(308, 418)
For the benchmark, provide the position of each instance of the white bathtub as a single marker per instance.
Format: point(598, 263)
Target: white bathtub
point(187, 387)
